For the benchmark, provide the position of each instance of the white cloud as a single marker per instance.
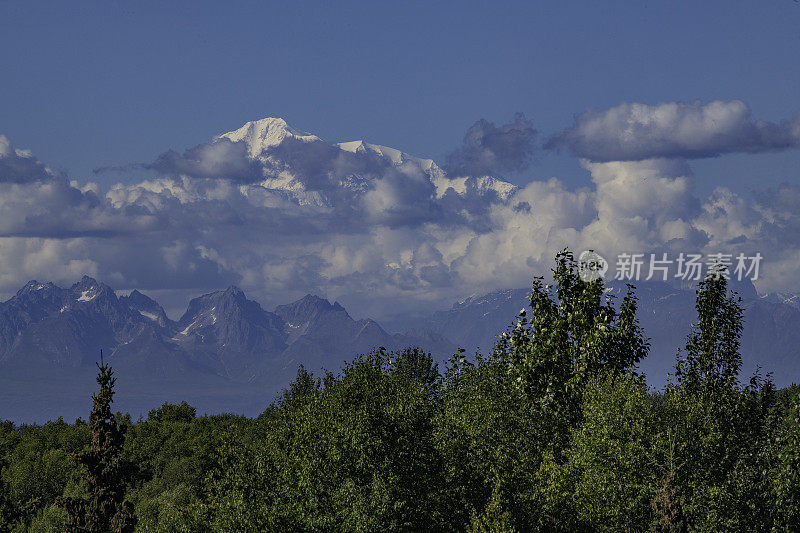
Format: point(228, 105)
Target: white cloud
point(632, 131)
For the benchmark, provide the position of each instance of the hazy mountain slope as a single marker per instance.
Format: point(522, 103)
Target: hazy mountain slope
point(235, 331)
point(771, 337)
point(324, 335)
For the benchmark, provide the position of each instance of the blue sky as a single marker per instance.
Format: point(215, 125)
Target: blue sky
point(670, 126)
point(109, 83)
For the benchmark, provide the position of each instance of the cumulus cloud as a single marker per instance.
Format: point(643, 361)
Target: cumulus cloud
point(37, 202)
point(221, 159)
point(20, 166)
point(632, 132)
point(488, 149)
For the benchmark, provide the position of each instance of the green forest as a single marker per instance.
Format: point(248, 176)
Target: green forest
point(552, 431)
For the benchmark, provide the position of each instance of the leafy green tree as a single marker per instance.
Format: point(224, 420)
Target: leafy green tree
point(355, 453)
point(104, 508)
point(573, 334)
point(493, 520)
point(720, 455)
point(786, 474)
point(169, 412)
point(50, 519)
point(40, 466)
point(712, 360)
point(488, 436)
point(505, 423)
point(717, 435)
point(7, 509)
point(173, 451)
point(38, 475)
point(416, 365)
point(611, 455)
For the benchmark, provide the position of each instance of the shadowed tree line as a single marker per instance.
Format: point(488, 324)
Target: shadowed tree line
point(552, 431)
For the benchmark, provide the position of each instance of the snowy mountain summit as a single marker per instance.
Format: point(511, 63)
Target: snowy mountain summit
point(261, 135)
point(307, 170)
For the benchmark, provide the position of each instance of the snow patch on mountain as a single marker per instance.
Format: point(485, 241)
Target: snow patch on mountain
point(188, 328)
point(151, 316)
point(787, 298)
point(87, 296)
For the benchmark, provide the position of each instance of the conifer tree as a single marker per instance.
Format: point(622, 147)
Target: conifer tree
point(104, 508)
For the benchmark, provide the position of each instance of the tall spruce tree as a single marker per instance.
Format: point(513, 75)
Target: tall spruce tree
point(104, 508)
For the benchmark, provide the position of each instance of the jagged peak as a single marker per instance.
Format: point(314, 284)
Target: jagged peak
point(232, 293)
point(313, 298)
point(31, 284)
point(35, 286)
point(317, 301)
point(307, 308)
point(87, 281)
point(136, 298)
point(206, 303)
point(233, 290)
point(88, 288)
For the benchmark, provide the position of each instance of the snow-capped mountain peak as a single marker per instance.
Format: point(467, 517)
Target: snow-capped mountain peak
point(314, 172)
point(261, 135)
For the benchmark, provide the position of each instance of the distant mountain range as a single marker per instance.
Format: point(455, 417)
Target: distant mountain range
point(226, 353)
